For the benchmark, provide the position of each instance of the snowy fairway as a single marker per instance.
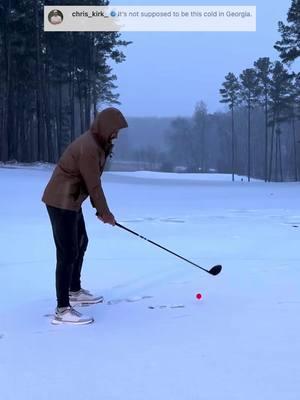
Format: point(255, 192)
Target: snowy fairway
point(240, 342)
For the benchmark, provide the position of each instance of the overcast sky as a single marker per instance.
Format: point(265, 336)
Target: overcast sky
point(167, 73)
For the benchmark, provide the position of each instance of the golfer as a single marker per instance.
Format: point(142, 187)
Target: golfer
point(76, 177)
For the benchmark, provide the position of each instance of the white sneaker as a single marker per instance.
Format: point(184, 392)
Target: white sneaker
point(70, 316)
point(84, 297)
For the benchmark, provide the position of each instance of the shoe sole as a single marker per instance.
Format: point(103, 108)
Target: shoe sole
point(58, 322)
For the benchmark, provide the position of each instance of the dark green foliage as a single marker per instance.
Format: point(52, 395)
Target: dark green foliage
point(249, 94)
point(280, 105)
point(289, 45)
point(230, 95)
point(230, 90)
point(263, 67)
point(51, 82)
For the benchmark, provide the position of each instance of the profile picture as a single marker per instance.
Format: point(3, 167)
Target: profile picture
point(55, 17)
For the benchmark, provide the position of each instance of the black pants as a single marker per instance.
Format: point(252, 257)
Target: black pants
point(71, 241)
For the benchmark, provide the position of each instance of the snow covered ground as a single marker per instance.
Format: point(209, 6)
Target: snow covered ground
point(240, 342)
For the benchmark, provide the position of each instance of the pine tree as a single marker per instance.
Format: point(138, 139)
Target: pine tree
point(230, 96)
point(263, 68)
point(289, 45)
point(281, 102)
point(249, 95)
point(294, 115)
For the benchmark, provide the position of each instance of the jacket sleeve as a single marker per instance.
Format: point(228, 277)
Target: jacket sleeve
point(90, 171)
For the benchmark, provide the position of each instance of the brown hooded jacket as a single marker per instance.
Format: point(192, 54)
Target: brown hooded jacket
point(77, 174)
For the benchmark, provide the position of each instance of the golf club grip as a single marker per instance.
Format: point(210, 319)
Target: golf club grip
point(158, 245)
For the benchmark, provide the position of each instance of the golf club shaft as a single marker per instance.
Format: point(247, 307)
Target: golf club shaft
point(158, 245)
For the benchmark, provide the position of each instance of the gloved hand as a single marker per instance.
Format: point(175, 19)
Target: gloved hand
point(107, 218)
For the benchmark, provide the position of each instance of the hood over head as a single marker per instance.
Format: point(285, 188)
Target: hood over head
point(107, 121)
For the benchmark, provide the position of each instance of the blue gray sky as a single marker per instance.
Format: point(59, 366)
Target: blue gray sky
point(167, 73)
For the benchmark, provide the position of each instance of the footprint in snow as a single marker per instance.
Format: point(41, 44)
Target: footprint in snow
point(167, 306)
point(128, 299)
point(174, 220)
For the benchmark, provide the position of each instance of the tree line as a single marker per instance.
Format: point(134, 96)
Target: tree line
point(271, 86)
point(268, 85)
point(51, 82)
point(264, 104)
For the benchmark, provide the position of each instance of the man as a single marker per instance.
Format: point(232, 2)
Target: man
point(77, 176)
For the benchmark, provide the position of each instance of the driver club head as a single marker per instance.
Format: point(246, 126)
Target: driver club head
point(215, 270)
